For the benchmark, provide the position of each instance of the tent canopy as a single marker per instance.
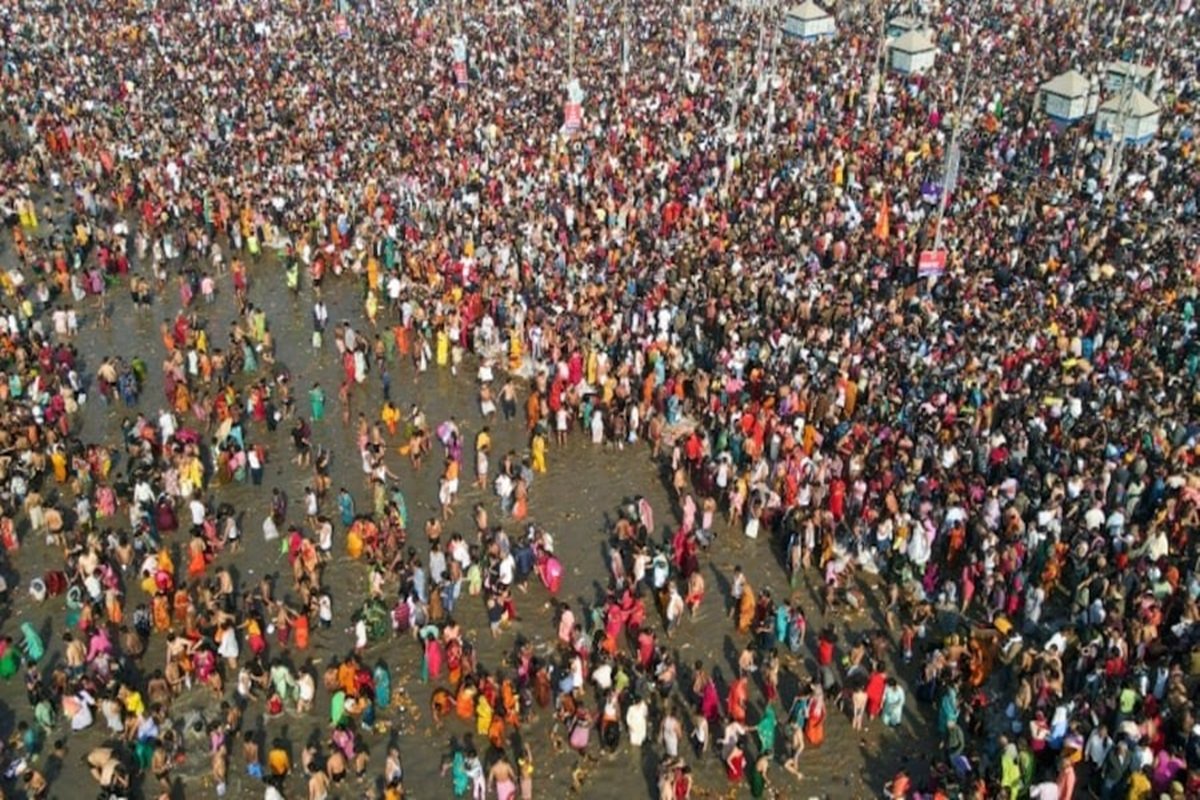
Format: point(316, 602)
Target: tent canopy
point(808, 10)
point(912, 42)
point(1138, 104)
point(1129, 68)
point(1069, 84)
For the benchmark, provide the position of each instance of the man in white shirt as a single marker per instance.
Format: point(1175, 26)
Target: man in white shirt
point(602, 676)
point(1097, 746)
point(507, 570)
point(166, 425)
point(198, 511)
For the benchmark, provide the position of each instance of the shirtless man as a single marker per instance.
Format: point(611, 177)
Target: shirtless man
point(75, 655)
point(318, 783)
point(335, 767)
point(502, 778)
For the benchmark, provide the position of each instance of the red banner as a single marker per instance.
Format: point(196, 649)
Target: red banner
point(931, 264)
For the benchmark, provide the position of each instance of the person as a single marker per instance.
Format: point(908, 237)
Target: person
point(746, 606)
point(525, 764)
point(766, 729)
point(670, 733)
point(814, 725)
point(947, 709)
point(1115, 771)
point(899, 786)
point(892, 709)
point(36, 785)
point(636, 721)
point(735, 764)
point(955, 748)
point(735, 705)
point(279, 764)
point(502, 779)
point(537, 447)
point(796, 748)
point(757, 777)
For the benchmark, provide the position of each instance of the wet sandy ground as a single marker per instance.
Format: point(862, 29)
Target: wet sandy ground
point(582, 491)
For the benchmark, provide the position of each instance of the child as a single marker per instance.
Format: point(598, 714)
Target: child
point(495, 614)
point(250, 755)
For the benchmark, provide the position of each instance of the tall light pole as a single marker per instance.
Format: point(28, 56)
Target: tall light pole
point(624, 44)
point(570, 40)
point(690, 35)
point(877, 79)
point(769, 123)
point(952, 156)
point(1116, 154)
point(737, 94)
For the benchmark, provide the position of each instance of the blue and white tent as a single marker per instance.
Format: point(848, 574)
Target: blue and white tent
point(808, 21)
point(1129, 114)
point(1065, 97)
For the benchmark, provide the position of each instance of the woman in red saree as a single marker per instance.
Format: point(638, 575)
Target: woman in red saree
point(875, 686)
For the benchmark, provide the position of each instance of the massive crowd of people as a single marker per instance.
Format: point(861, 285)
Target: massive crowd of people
point(719, 267)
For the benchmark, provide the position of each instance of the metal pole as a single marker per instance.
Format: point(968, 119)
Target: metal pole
point(1086, 33)
point(1111, 156)
point(770, 120)
point(951, 152)
point(762, 25)
point(1123, 114)
point(733, 111)
point(624, 44)
point(689, 33)
point(876, 87)
point(570, 40)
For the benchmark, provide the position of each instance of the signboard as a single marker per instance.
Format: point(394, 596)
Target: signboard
point(341, 26)
point(931, 264)
point(458, 54)
point(572, 116)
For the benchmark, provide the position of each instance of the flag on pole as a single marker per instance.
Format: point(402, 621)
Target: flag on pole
point(883, 222)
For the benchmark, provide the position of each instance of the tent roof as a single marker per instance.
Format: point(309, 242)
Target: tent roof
point(1139, 104)
point(1128, 67)
point(808, 10)
point(1069, 84)
point(912, 42)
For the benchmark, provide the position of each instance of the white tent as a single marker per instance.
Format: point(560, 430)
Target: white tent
point(911, 52)
point(1065, 96)
point(808, 21)
point(898, 26)
point(1116, 73)
point(1131, 115)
